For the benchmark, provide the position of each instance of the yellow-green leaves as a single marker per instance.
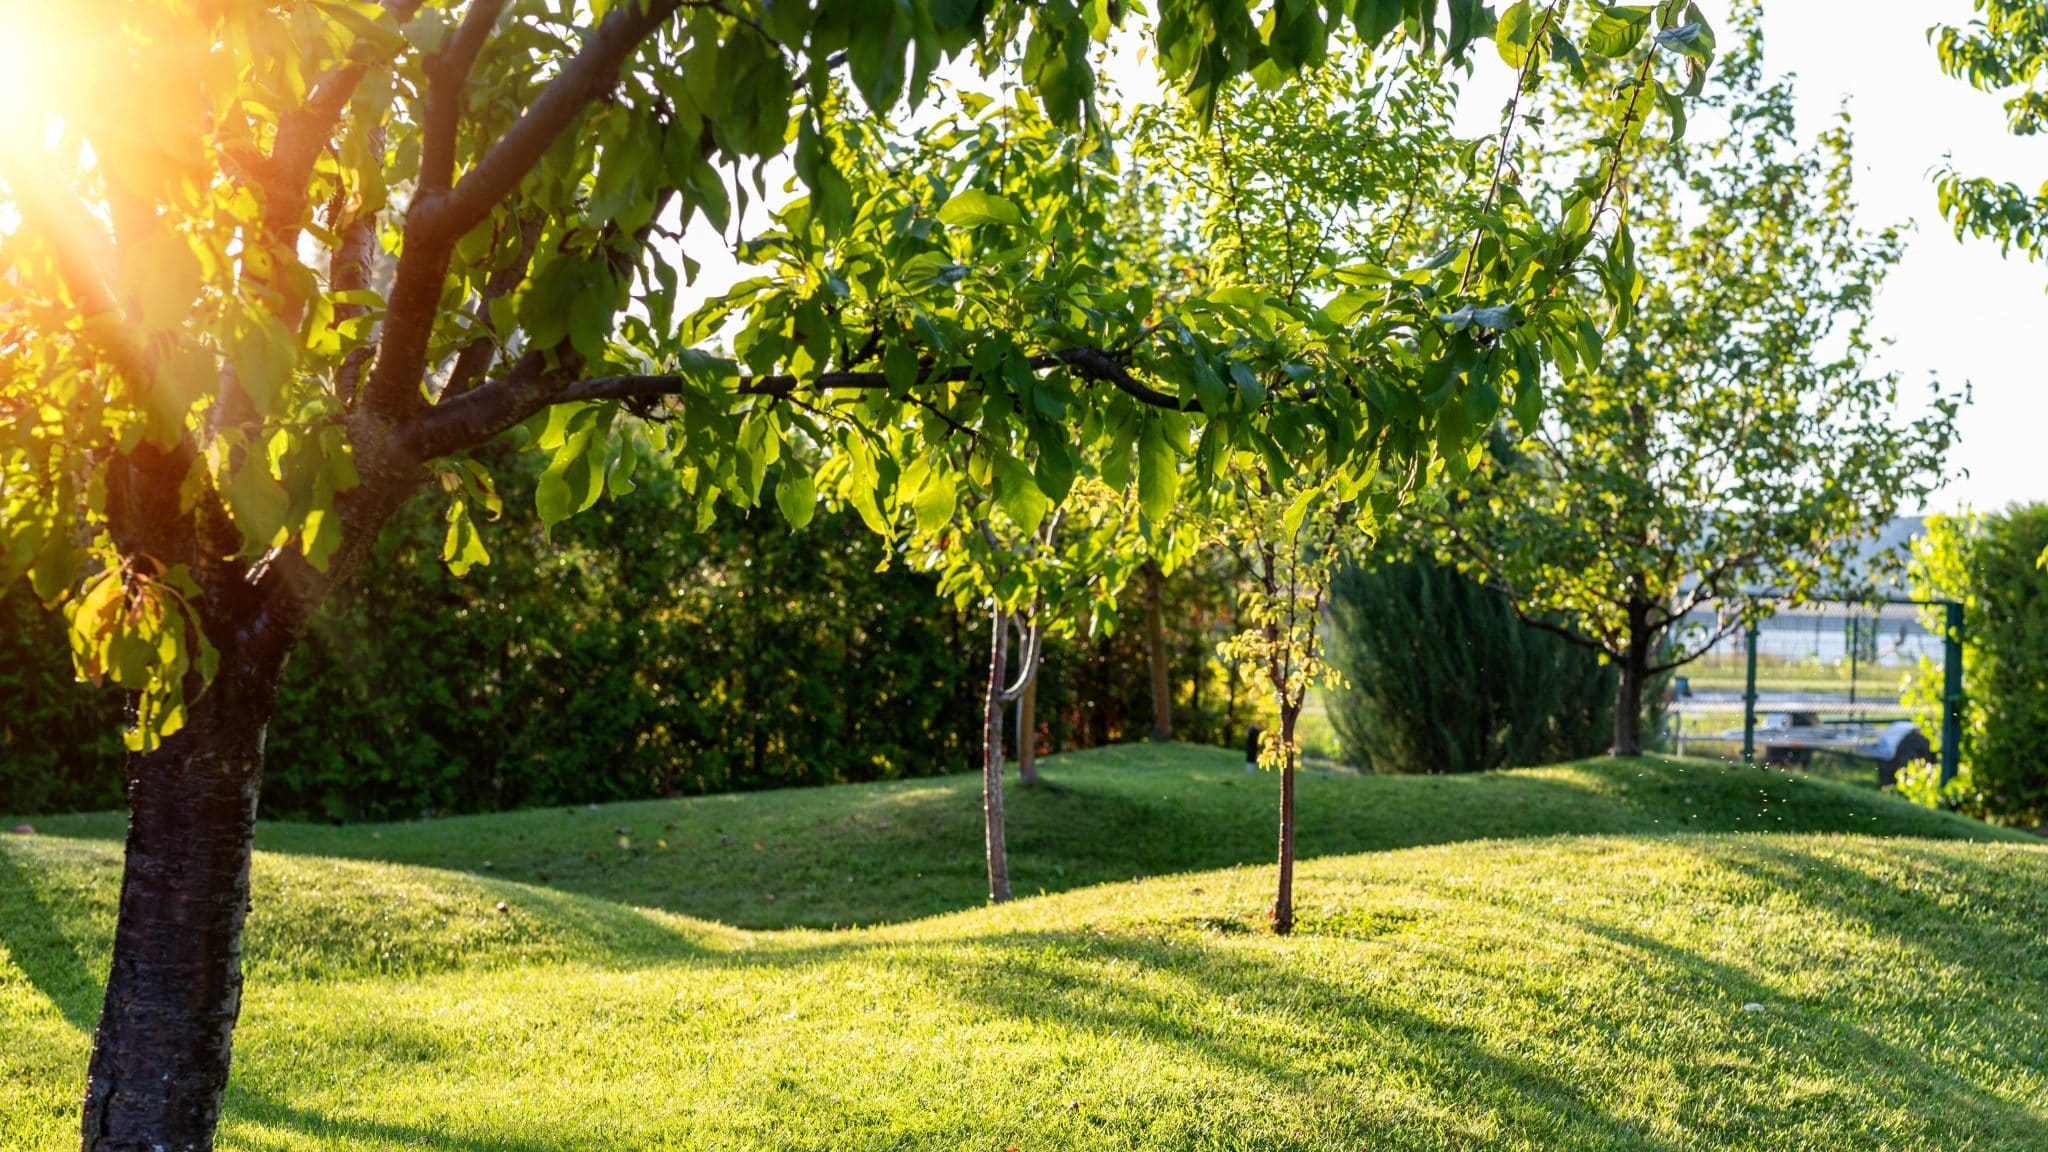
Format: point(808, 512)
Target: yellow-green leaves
point(1617, 30)
point(143, 634)
point(467, 484)
point(1018, 495)
point(574, 479)
point(972, 207)
point(796, 493)
point(1516, 35)
point(1158, 472)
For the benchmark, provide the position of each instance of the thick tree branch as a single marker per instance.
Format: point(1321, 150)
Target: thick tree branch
point(470, 419)
point(436, 220)
point(447, 77)
point(592, 72)
point(307, 129)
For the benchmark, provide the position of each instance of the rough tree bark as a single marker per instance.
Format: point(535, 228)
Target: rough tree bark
point(1155, 645)
point(160, 1057)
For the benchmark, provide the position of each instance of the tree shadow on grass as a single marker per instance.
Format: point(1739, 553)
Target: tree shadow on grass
point(1307, 1044)
point(248, 1112)
point(42, 941)
point(1947, 1109)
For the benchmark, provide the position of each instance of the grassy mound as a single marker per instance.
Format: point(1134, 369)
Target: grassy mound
point(1644, 986)
point(878, 853)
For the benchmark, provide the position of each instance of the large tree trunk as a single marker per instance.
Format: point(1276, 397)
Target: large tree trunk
point(160, 1056)
point(1155, 645)
point(1027, 731)
point(992, 763)
point(1283, 899)
point(1629, 686)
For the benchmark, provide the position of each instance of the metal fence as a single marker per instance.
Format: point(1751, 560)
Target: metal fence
point(1850, 678)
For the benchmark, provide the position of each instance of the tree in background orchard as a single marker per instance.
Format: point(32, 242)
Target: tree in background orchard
point(1059, 578)
point(1731, 443)
point(1342, 230)
point(276, 272)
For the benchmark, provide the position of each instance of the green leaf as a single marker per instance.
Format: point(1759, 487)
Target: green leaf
point(974, 207)
point(796, 494)
point(1494, 318)
point(463, 548)
point(1617, 30)
point(1158, 475)
point(1376, 18)
point(570, 484)
point(1516, 34)
point(1018, 495)
point(934, 503)
point(1692, 41)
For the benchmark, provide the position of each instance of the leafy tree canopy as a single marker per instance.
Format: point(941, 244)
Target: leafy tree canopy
point(2005, 49)
point(247, 310)
point(1733, 443)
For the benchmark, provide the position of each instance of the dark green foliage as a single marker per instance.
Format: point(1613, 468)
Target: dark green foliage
point(60, 740)
point(1441, 677)
point(631, 657)
point(1993, 566)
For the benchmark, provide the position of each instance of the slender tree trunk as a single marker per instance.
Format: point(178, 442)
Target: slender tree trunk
point(1283, 900)
point(1027, 731)
point(160, 1056)
point(992, 762)
point(1155, 645)
point(1628, 688)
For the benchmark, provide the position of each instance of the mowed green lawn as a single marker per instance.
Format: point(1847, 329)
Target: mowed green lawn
point(1655, 956)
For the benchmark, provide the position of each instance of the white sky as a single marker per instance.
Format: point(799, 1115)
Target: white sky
point(1952, 309)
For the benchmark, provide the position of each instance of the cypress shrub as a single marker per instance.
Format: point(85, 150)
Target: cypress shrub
point(1440, 676)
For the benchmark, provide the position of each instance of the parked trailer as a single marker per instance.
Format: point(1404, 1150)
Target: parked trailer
point(1789, 732)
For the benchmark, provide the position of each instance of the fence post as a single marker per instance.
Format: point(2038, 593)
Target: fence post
point(1749, 697)
point(1952, 692)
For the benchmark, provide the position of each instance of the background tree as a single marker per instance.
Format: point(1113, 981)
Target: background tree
point(356, 243)
point(1315, 210)
point(1731, 446)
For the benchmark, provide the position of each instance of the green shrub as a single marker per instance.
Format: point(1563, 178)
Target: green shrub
point(1439, 676)
point(1993, 565)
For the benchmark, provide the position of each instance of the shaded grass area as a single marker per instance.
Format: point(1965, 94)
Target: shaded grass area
point(1786, 992)
point(876, 853)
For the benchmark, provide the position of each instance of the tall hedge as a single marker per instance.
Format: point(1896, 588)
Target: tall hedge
point(1441, 677)
point(630, 656)
point(59, 739)
point(1994, 566)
